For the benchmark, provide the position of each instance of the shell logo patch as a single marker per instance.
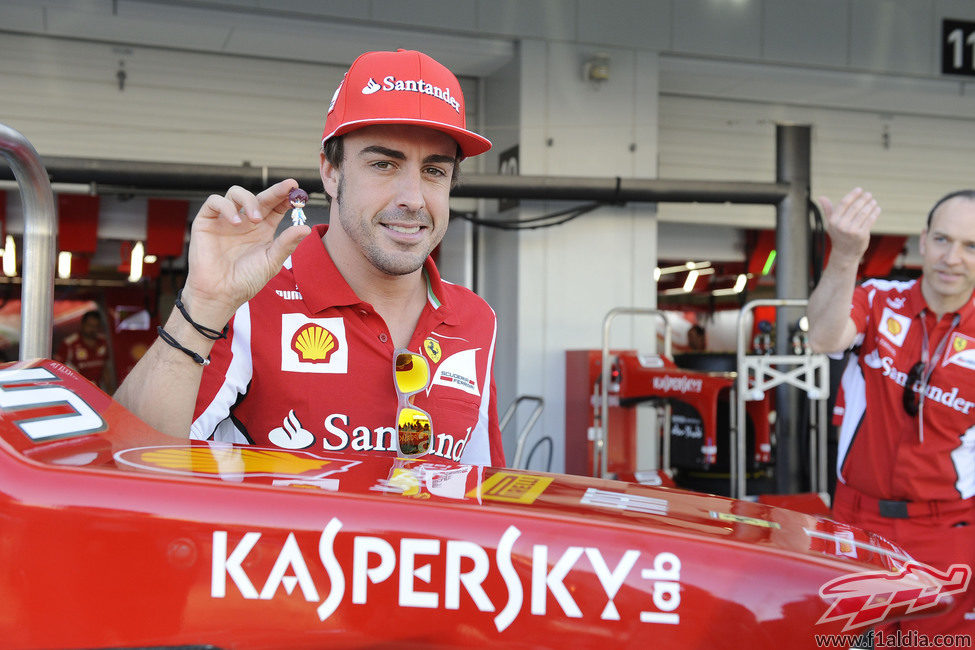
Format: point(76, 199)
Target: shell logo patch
point(510, 487)
point(961, 351)
point(894, 326)
point(432, 347)
point(313, 345)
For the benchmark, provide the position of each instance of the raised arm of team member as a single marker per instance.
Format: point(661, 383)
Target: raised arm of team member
point(233, 253)
point(830, 327)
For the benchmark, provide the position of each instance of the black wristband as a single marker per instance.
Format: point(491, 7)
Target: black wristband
point(168, 338)
point(209, 333)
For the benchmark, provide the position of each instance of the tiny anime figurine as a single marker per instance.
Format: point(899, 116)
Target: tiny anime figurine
point(298, 197)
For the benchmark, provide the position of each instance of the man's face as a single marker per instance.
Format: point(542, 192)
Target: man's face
point(948, 252)
point(391, 193)
point(90, 327)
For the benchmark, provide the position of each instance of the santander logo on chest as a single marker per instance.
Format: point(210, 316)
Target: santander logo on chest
point(320, 345)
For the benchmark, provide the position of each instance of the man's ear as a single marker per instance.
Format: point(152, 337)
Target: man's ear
point(921, 240)
point(330, 176)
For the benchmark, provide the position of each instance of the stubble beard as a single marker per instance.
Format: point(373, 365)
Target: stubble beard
point(403, 263)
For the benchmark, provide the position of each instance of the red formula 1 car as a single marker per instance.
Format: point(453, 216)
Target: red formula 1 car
point(115, 535)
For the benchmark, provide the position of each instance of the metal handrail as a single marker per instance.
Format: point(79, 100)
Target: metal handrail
point(523, 434)
point(40, 244)
point(602, 429)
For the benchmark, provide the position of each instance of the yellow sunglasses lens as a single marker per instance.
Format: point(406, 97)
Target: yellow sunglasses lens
point(415, 434)
point(412, 373)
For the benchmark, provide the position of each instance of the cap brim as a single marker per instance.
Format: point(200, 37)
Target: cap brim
point(470, 143)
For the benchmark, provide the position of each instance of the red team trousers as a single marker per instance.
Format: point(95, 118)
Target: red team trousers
point(937, 533)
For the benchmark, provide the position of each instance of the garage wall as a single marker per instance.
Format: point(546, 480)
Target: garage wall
point(909, 141)
point(696, 87)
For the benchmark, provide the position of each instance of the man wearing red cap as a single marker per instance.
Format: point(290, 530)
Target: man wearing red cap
point(306, 360)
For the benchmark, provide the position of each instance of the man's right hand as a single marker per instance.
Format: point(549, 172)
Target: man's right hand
point(850, 223)
point(233, 252)
point(831, 328)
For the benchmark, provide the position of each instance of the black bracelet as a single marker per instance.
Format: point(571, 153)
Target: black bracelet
point(211, 334)
point(168, 338)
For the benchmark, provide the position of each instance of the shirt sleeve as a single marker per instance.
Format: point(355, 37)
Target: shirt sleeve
point(860, 307)
point(225, 380)
point(484, 446)
point(494, 431)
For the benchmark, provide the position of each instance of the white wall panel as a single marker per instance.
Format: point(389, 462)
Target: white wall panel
point(963, 9)
point(571, 275)
point(806, 33)
point(645, 24)
point(342, 8)
point(947, 97)
point(895, 36)
point(176, 106)
point(458, 14)
point(537, 19)
point(907, 140)
point(718, 28)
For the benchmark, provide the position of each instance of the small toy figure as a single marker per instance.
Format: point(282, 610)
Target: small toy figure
point(298, 197)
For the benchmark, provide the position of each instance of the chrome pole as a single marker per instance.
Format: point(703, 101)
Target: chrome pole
point(40, 243)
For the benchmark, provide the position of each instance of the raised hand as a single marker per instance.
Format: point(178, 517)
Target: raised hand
point(850, 223)
point(233, 252)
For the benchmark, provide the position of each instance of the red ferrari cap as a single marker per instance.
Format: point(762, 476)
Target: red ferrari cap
point(402, 87)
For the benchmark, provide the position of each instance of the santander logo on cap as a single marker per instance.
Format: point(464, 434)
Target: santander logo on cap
point(392, 84)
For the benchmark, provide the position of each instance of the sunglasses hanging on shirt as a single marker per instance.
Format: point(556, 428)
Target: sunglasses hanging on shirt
point(411, 375)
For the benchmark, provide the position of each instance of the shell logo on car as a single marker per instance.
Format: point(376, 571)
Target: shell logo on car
point(219, 459)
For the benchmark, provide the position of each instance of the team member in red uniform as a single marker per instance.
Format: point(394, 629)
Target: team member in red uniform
point(906, 463)
point(307, 362)
point(87, 351)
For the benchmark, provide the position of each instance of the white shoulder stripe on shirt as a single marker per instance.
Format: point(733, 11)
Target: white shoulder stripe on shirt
point(214, 420)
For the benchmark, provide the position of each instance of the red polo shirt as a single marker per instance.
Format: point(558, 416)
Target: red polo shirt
point(884, 452)
point(88, 360)
point(308, 365)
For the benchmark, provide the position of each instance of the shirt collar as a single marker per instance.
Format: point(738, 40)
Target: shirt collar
point(916, 303)
point(322, 286)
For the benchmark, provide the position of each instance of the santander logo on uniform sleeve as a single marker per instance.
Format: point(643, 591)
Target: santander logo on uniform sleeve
point(313, 345)
point(458, 371)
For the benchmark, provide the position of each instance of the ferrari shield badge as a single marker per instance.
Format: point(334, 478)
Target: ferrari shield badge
point(432, 348)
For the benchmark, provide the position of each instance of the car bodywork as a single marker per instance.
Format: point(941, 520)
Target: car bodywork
point(115, 535)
